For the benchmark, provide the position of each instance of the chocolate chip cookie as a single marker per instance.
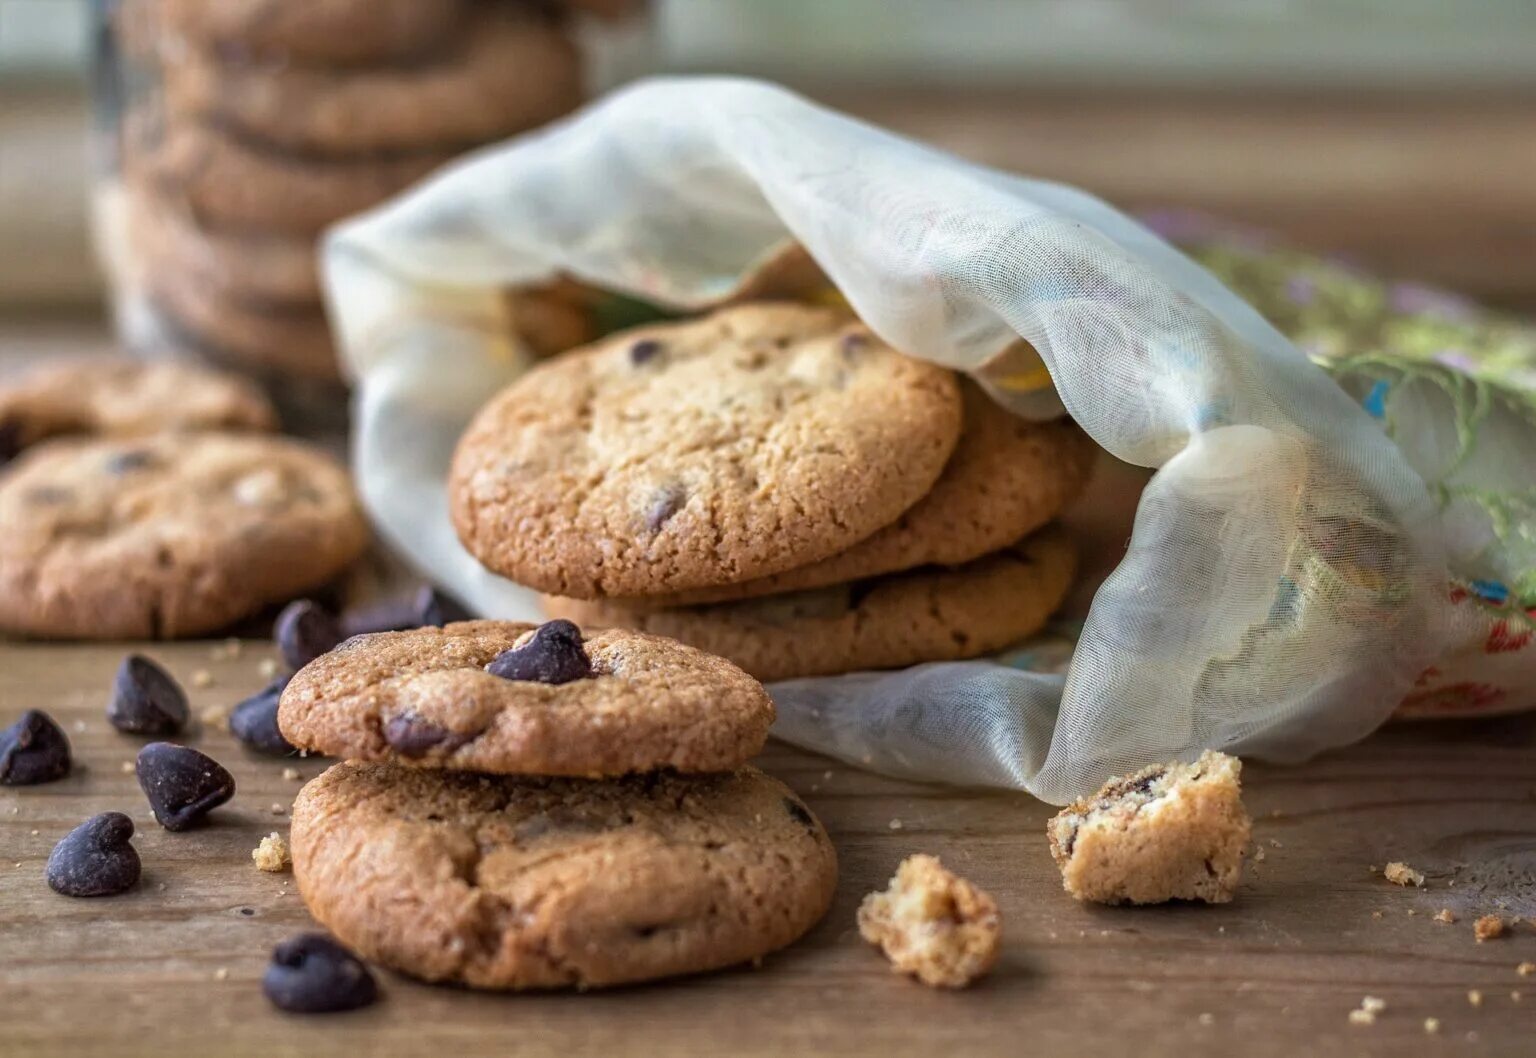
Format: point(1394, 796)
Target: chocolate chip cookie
point(123, 398)
point(498, 696)
point(506, 883)
point(167, 536)
point(1007, 478)
point(928, 614)
point(512, 69)
point(684, 455)
point(316, 31)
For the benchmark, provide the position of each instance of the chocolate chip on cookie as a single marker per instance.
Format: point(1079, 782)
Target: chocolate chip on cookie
point(425, 606)
point(511, 698)
point(146, 700)
point(304, 631)
point(553, 655)
point(254, 721)
point(182, 784)
point(33, 750)
point(96, 858)
point(312, 974)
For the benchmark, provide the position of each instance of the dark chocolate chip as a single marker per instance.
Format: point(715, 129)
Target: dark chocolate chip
point(852, 342)
point(304, 631)
point(96, 858)
point(553, 654)
point(800, 814)
point(423, 607)
point(131, 460)
point(182, 784)
point(669, 499)
point(254, 721)
point(643, 351)
point(10, 440)
point(414, 736)
point(146, 700)
point(312, 974)
point(33, 750)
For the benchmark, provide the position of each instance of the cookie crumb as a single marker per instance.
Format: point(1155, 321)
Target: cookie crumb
point(221, 974)
point(267, 668)
point(215, 716)
point(1375, 914)
point(79, 727)
point(895, 824)
point(1258, 855)
point(202, 678)
point(278, 809)
point(272, 854)
point(1432, 1025)
point(1207, 1019)
point(1362, 1017)
point(1475, 997)
point(1399, 873)
point(1515, 996)
point(933, 924)
point(1369, 1007)
point(126, 767)
point(1526, 969)
point(1489, 927)
point(1171, 831)
point(1446, 915)
point(1375, 1004)
point(292, 774)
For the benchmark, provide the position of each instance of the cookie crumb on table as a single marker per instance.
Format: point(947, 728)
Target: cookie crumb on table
point(292, 774)
point(267, 667)
point(933, 924)
point(1168, 832)
point(1445, 914)
point(215, 716)
point(202, 678)
point(1475, 997)
point(1526, 969)
point(1489, 927)
point(272, 854)
point(1431, 1025)
point(1399, 873)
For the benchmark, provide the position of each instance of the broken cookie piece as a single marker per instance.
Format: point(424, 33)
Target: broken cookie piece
point(933, 924)
point(1168, 832)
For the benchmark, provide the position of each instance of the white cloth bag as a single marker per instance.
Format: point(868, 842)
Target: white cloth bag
point(1284, 582)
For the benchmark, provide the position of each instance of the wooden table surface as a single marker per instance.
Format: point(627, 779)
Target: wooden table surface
point(173, 967)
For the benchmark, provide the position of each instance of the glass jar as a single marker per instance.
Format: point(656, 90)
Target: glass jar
point(231, 134)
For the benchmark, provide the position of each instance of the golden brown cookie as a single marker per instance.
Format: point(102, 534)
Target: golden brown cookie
point(1007, 478)
point(506, 883)
point(683, 455)
point(167, 536)
point(929, 614)
point(512, 69)
point(327, 32)
point(431, 697)
point(124, 398)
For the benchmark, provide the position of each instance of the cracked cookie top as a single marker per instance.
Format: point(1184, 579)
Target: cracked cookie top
point(509, 698)
point(498, 882)
point(168, 536)
point(754, 440)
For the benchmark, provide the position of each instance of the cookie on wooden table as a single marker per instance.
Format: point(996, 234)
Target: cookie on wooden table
point(510, 698)
point(506, 883)
point(1007, 478)
point(123, 398)
point(168, 536)
point(316, 31)
point(512, 69)
point(682, 455)
point(928, 614)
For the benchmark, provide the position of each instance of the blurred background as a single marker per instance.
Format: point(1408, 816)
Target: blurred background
point(1398, 132)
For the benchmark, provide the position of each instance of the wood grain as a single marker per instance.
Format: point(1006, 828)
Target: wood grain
point(1278, 971)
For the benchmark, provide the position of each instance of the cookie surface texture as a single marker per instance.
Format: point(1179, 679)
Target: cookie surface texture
point(168, 536)
point(506, 883)
point(424, 696)
point(753, 440)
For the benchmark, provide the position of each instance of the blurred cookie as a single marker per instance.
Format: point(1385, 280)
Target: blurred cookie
point(753, 440)
point(316, 31)
point(1007, 478)
point(167, 536)
point(505, 883)
point(614, 703)
point(930, 614)
point(512, 69)
point(123, 398)
point(226, 183)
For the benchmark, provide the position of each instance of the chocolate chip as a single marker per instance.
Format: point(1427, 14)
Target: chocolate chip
point(422, 608)
point(669, 499)
point(646, 349)
point(800, 814)
point(312, 974)
point(10, 440)
point(852, 342)
point(254, 721)
point(182, 784)
point(95, 859)
point(304, 631)
point(146, 700)
point(553, 655)
point(414, 736)
point(33, 750)
point(126, 462)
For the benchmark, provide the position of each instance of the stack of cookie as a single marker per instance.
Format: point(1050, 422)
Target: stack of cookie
point(529, 807)
point(774, 484)
point(275, 118)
